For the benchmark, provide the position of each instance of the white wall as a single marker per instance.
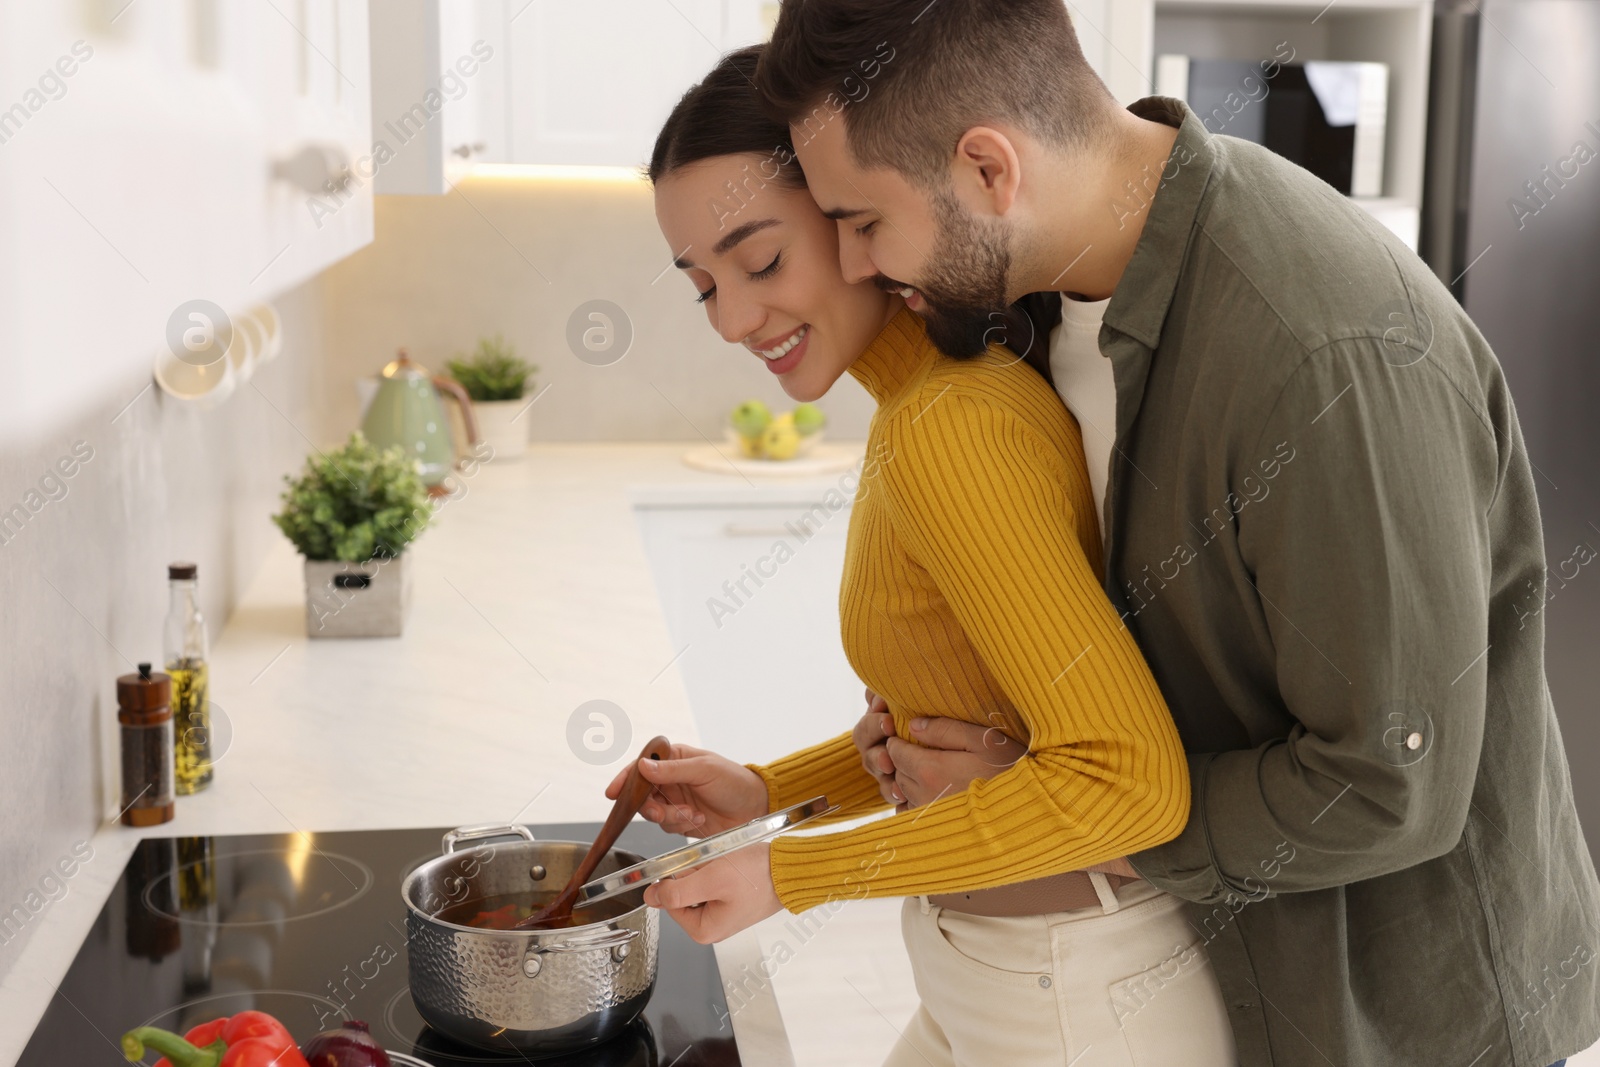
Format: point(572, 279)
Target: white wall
point(84, 583)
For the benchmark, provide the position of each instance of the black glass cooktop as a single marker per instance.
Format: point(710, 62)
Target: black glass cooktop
point(313, 932)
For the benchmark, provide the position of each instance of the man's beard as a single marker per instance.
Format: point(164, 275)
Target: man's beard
point(966, 283)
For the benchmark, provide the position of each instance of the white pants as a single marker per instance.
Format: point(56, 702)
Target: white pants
point(1124, 985)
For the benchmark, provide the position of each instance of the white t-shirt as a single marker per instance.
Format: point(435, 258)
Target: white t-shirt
point(1084, 379)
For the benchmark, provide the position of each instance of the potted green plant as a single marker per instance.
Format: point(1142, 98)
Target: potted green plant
point(351, 513)
point(496, 379)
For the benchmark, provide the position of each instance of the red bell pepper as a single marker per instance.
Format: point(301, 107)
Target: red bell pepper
point(248, 1039)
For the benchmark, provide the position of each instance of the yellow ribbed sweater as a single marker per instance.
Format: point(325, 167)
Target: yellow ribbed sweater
point(971, 591)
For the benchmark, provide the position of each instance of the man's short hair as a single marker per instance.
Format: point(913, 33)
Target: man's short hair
point(911, 77)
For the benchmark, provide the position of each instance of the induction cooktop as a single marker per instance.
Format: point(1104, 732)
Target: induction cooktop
point(311, 929)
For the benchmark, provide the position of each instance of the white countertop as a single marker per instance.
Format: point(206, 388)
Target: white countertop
point(532, 596)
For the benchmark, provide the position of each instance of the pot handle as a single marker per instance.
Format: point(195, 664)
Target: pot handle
point(609, 939)
point(478, 833)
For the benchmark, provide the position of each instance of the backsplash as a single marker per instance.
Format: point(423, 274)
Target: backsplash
point(90, 516)
point(519, 256)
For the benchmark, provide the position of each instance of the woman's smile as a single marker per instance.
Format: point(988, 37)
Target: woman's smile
point(783, 354)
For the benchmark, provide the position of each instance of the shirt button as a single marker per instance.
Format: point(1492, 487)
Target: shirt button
point(1414, 740)
point(1044, 981)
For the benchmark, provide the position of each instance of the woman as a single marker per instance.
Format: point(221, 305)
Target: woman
point(970, 591)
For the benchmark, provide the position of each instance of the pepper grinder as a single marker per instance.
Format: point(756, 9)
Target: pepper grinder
point(144, 710)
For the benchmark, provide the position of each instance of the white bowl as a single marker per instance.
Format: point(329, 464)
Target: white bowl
point(264, 318)
point(244, 348)
point(201, 387)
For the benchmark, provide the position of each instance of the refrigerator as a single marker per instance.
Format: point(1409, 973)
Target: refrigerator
point(1511, 222)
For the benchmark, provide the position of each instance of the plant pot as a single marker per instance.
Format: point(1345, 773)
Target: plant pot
point(496, 429)
point(357, 599)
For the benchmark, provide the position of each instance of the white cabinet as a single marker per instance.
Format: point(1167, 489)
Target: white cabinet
point(751, 596)
point(592, 83)
point(438, 90)
point(582, 83)
point(187, 155)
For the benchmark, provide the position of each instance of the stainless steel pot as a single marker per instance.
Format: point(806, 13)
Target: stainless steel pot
point(535, 992)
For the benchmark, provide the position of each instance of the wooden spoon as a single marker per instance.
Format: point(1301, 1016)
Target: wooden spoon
point(630, 798)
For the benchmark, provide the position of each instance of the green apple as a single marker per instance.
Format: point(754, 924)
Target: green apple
point(808, 419)
point(750, 418)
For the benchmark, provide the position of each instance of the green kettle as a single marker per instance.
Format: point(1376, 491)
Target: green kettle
point(405, 410)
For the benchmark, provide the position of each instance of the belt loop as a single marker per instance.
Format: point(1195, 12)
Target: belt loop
point(922, 900)
point(1102, 888)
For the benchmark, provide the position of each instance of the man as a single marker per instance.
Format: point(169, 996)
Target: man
point(1320, 524)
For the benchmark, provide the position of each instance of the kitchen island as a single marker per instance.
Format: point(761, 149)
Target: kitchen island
point(533, 595)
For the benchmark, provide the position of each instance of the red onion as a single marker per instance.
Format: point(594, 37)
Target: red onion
point(349, 1046)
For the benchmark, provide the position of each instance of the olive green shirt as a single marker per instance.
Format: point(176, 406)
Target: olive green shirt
point(1324, 534)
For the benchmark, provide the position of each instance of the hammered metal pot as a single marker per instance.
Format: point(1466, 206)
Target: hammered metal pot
point(529, 992)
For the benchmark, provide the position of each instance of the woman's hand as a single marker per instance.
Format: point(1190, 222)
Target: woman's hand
point(698, 792)
point(723, 897)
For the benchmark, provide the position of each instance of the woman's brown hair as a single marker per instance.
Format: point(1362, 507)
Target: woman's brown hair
point(723, 116)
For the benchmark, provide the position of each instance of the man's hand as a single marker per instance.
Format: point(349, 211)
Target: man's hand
point(948, 755)
point(871, 731)
point(910, 775)
point(698, 792)
point(723, 897)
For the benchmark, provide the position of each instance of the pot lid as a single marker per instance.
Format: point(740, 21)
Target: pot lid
point(703, 851)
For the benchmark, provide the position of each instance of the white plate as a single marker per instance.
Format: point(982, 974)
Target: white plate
point(823, 459)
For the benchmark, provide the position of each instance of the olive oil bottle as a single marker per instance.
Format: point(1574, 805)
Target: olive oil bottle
point(186, 653)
